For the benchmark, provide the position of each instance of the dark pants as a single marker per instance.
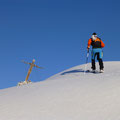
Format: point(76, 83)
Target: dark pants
point(100, 62)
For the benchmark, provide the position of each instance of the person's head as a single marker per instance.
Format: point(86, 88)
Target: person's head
point(94, 36)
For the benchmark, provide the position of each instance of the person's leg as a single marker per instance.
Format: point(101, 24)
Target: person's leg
point(99, 58)
point(93, 64)
point(93, 60)
point(101, 64)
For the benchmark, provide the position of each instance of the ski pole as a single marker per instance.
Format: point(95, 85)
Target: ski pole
point(86, 61)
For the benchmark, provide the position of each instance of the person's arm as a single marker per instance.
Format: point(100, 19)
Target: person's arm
point(102, 44)
point(89, 44)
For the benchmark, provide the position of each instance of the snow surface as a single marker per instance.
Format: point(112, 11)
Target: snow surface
point(69, 95)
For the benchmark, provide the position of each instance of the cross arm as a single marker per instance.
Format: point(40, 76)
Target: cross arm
point(25, 62)
point(38, 67)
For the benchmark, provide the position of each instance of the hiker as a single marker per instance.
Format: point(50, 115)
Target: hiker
point(97, 45)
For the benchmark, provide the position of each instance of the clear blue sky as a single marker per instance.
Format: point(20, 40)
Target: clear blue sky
point(55, 33)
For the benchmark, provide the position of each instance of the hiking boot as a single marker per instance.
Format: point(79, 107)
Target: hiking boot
point(101, 71)
point(93, 71)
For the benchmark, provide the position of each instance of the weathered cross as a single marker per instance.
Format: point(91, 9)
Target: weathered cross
point(30, 69)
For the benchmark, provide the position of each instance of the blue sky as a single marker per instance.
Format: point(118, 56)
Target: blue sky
point(55, 33)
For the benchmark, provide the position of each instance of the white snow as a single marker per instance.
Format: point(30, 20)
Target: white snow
point(69, 95)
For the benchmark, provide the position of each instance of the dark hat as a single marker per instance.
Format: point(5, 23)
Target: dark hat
point(94, 33)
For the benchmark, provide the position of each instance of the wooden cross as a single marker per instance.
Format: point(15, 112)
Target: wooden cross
point(30, 69)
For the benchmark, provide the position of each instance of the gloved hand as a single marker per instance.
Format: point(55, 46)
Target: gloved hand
point(88, 49)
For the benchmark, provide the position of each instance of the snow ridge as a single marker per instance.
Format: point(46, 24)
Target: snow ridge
point(69, 95)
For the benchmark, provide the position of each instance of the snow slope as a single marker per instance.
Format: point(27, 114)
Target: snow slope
point(69, 95)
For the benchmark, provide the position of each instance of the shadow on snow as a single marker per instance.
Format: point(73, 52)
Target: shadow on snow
point(74, 71)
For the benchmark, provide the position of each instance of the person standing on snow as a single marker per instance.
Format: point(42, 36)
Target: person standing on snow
point(97, 45)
